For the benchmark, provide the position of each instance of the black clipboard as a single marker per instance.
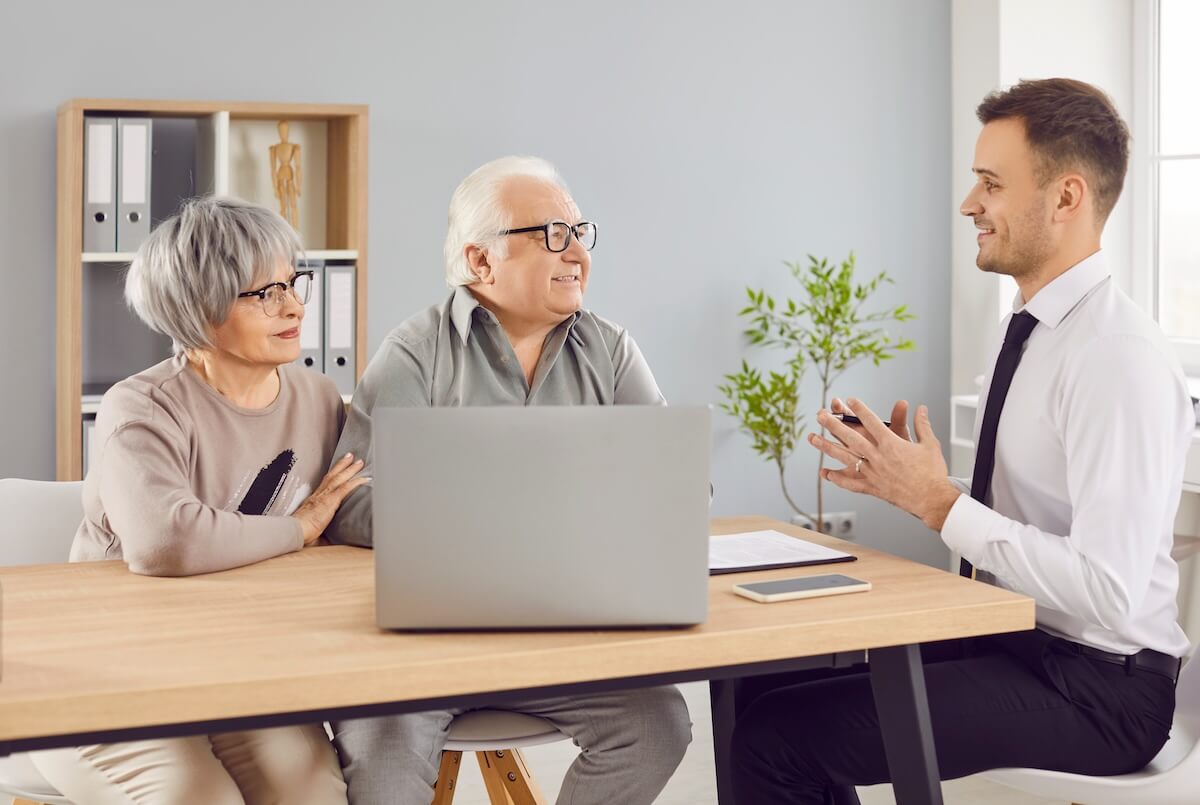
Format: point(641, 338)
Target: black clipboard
point(721, 571)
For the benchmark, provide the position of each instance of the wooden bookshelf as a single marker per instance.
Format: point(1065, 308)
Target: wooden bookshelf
point(339, 231)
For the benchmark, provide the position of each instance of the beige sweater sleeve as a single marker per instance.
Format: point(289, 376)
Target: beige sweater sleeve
point(164, 529)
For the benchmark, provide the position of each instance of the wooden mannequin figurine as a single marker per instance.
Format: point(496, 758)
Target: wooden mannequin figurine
point(285, 175)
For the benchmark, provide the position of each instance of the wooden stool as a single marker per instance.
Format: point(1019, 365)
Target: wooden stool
point(495, 736)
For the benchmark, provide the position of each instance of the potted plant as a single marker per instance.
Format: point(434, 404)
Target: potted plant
point(826, 329)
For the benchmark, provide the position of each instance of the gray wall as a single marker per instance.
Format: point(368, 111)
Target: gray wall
point(710, 141)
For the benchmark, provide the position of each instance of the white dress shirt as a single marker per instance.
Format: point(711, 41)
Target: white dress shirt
point(1090, 453)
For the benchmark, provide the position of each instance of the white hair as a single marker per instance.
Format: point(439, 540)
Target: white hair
point(187, 274)
point(476, 215)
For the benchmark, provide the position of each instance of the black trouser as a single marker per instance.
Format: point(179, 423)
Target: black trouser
point(1027, 700)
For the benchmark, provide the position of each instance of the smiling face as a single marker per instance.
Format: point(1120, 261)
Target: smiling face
point(249, 336)
point(1014, 215)
point(529, 283)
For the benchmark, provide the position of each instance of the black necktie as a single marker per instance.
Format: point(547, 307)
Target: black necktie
point(1019, 328)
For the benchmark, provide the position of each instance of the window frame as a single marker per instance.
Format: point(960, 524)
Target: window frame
point(1145, 160)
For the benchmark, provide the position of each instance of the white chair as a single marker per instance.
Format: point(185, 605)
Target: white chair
point(40, 519)
point(1172, 778)
point(496, 738)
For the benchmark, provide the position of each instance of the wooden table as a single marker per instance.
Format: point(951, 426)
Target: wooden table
point(93, 653)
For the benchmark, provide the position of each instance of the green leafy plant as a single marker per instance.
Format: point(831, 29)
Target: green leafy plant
point(825, 329)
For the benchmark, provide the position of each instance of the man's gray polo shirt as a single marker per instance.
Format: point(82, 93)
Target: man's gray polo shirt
point(456, 353)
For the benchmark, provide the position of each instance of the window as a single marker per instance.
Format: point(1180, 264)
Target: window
point(1170, 146)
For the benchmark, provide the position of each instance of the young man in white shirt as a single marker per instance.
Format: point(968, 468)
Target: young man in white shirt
point(1080, 454)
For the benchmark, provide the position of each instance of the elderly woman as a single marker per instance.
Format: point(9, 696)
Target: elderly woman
point(213, 459)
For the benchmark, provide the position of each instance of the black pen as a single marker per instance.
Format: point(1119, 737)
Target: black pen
point(851, 419)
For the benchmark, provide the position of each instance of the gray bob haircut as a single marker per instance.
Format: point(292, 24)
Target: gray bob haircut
point(187, 274)
point(476, 215)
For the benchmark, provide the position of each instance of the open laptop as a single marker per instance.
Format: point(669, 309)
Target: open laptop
point(541, 517)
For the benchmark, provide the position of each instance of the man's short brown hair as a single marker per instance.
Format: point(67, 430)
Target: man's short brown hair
point(1070, 125)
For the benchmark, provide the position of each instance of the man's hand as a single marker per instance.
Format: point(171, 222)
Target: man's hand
point(910, 475)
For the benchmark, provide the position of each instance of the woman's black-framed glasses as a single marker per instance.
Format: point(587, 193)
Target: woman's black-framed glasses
point(274, 295)
point(558, 234)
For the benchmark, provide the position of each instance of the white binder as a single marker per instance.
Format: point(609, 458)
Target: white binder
point(133, 187)
point(212, 155)
point(339, 325)
point(89, 443)
point(99, 184)
point(312, 330)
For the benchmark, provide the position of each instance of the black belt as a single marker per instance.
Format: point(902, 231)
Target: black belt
point(1145, 660)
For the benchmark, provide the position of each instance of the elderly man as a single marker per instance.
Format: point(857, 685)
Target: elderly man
point(512, 332)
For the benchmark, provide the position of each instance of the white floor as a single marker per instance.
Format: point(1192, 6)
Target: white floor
point(693, 783)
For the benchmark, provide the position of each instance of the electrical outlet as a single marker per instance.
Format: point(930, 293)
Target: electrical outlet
point(839, 524)
point(836, 524)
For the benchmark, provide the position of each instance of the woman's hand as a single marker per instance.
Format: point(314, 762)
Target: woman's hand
point(315, 513)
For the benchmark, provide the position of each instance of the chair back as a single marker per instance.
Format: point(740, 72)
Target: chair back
point(39, 520)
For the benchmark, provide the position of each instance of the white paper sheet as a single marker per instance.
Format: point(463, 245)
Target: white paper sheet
point(757, 548)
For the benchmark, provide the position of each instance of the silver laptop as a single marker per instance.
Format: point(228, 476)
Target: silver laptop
point(541, 517)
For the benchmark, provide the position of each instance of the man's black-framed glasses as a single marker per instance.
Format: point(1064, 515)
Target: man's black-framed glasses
point(274, 295)
point(558, 234)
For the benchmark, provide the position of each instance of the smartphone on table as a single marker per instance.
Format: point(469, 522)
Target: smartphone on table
point(768, 592)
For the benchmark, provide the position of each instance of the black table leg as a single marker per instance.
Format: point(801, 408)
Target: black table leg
point(898, 681)
point(722, 694)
